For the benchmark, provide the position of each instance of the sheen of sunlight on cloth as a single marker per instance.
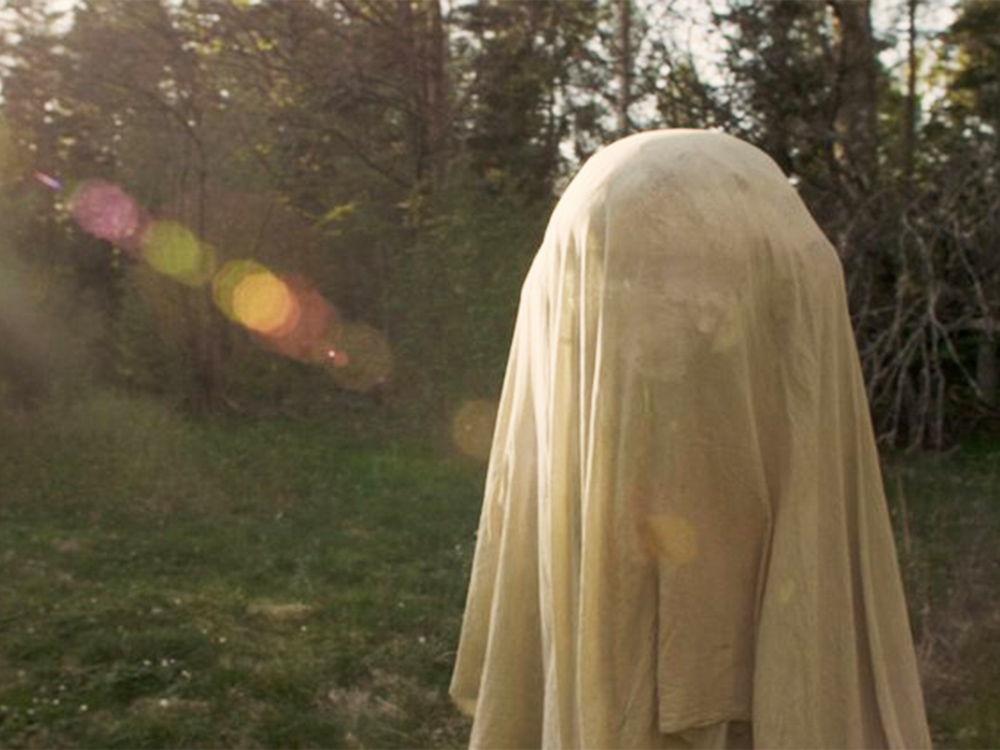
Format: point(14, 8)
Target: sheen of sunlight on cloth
point(684, 540)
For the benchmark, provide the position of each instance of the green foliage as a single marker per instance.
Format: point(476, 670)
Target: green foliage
point(49, 328)
point(779, 56)
point(138, 446)
point(463, 275)
point(402, 156)
point(524, 59)
point(253, 584)
point(152, 335)
point(975, 89)
point(538, 77)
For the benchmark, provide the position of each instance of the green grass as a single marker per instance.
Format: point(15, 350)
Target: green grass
point(300, 584)
point(946, 510)
point(242, 585)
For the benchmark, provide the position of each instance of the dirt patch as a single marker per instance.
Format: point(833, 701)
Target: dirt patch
point(357, 703)
point(280, 611)
point(68, 545)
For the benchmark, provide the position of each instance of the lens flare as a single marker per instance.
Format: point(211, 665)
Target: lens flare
point(286, 315)
point(174, 251)
point(307, 334)
point(47, 180)
point(472, 429)
point(228, 279)
point(365, 358)
point(263, 303)
point(337, 358)
point(105, 211)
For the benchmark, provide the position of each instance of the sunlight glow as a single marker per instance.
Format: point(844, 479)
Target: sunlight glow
point(174, 251)
point(365, 356)
point(285, 314)
point(264, 303)
point(305, 335)
point(337, 358)
point(472, 428)
point(226, 281)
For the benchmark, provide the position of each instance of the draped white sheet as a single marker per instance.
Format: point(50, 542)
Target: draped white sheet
point(684, 523)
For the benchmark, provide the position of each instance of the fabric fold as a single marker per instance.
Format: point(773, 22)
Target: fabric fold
point(684, 538)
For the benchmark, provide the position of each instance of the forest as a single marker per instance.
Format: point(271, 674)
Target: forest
point(259, 266)
point(399, 160)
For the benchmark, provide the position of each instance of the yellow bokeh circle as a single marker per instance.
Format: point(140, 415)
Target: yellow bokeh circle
point(226, 281)
point(264, 303)
point(472, 428)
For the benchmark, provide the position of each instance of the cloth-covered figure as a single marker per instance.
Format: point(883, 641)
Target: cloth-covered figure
point(684, 540)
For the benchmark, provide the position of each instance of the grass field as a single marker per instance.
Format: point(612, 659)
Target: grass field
point(290, 584)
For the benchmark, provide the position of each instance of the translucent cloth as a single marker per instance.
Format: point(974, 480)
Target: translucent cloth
point(684, 523)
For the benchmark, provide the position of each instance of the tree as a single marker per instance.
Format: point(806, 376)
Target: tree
point(522, 59)
point(780, 62)
point(926, 290)
point(855, 90)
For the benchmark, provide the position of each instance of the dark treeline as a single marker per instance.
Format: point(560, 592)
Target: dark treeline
point(403, 155)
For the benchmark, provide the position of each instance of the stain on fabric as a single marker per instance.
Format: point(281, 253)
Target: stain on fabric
point(672, 538)
point(786, 591)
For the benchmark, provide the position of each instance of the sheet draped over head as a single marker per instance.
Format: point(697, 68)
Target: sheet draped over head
point(684, 525)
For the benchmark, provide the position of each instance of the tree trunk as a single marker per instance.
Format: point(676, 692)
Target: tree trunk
point(438, 109)
point(855, 119)
point(425, 55)
point(413, 60)
point(625, 66)
point(209, 323)
point(778, 136)
point(988, 368)
point(910, 118)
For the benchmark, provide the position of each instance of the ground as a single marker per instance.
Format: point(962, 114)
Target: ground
point(286, 583)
